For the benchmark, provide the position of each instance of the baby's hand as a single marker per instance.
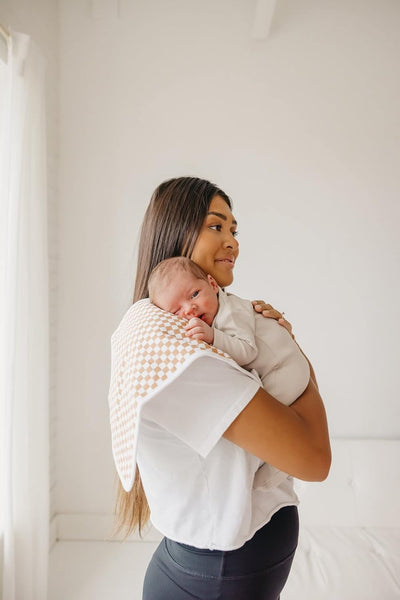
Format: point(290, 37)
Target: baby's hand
point(199, 330)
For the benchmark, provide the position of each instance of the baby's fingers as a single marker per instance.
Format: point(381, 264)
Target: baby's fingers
point(193, 330)
point(196, 334)
point(193, 322)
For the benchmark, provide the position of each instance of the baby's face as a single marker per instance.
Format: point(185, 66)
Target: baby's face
point(188, 297)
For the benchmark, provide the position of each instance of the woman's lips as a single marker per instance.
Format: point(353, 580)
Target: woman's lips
point(229, 262)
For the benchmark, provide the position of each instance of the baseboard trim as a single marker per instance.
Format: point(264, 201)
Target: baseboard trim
point(93, 527)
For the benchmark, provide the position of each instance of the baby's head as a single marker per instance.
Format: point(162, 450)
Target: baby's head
point(181, 287)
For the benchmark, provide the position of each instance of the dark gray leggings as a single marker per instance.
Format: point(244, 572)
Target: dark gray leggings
point(256, 571)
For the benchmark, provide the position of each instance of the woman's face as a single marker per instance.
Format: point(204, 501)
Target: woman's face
point(216, 247)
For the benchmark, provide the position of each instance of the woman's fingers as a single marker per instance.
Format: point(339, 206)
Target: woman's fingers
point(282, 321)
point(268, 311)
point(261, 304)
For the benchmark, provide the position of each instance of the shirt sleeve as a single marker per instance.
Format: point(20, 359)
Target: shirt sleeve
point(234, 329)
point(201, 403)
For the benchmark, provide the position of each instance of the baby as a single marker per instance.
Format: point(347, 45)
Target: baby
point(230, 323)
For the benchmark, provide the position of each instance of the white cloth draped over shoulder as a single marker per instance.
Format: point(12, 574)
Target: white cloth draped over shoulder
point(149, 350)
point(168, 412)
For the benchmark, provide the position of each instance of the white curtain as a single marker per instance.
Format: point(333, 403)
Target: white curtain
point(24, 340)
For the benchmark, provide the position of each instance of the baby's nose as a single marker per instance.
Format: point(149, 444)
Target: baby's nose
point(190, 310)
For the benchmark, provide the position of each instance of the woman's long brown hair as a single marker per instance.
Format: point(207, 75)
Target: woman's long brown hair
point(170, 227)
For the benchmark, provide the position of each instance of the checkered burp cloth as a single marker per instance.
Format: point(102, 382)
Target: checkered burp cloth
point(149, 349)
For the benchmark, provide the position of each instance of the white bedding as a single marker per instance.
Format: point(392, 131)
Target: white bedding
point(349, 547)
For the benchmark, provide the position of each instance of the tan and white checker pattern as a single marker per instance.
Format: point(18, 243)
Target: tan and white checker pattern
point(149, 349)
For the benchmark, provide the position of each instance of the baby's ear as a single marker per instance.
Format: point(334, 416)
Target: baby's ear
point(212, 282)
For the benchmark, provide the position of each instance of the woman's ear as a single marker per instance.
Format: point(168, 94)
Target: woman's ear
point(213, 283)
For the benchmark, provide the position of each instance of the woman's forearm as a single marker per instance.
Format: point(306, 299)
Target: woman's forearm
point(310, 409)
point(294, 439)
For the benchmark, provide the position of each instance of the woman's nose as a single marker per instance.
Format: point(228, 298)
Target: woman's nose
point(231, 242)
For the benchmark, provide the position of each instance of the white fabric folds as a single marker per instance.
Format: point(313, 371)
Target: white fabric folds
point(24, 324)
point(149, 350)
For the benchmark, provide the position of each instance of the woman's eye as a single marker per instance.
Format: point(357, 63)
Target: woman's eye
point(216, 227)
point(196, 293)
point(235, 233)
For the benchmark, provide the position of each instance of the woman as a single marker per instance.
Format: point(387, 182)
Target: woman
point(205, 436)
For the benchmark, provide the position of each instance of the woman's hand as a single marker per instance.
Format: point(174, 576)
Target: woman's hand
point(270, 312)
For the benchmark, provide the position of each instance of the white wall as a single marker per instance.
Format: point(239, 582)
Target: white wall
point(302, 130)
point(39, 19)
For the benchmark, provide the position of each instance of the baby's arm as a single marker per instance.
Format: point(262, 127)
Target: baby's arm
point(241, 349)
point(234, 330)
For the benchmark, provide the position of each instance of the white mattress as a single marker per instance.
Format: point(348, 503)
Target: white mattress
point(345, 563)
point(349, 547)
